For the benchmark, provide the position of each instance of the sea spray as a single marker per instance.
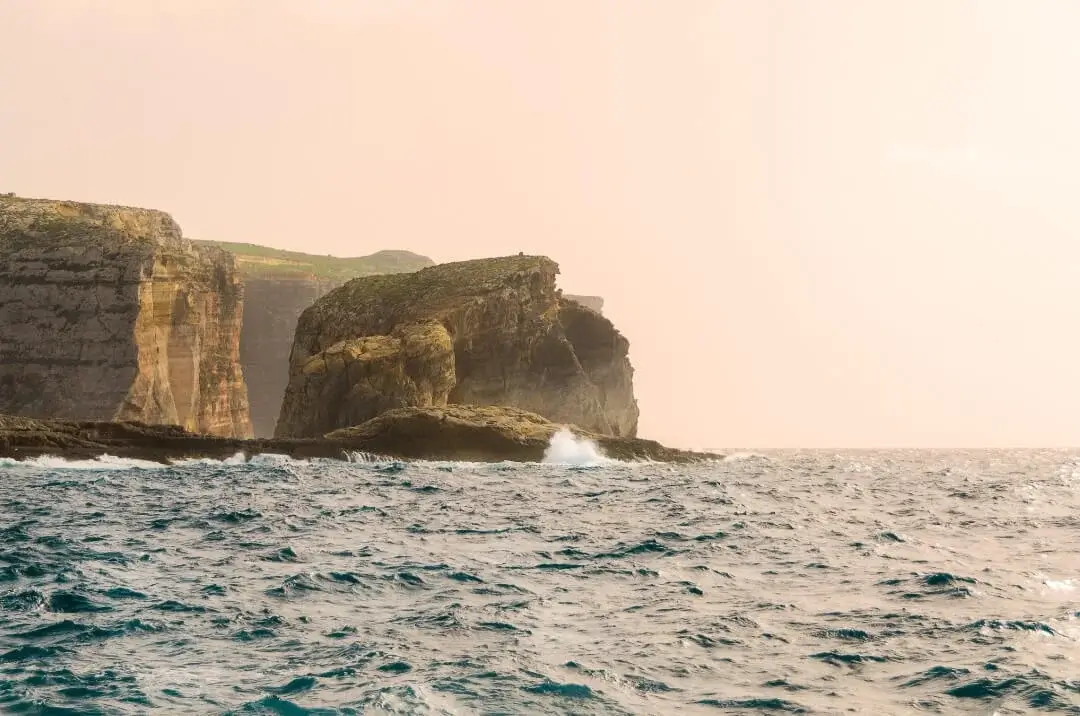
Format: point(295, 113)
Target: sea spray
point(565, 448)
point(367, 458)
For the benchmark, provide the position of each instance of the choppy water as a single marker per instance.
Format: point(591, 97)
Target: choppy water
point(879, 583)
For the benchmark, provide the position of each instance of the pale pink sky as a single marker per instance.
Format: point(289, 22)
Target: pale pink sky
point(846, 222)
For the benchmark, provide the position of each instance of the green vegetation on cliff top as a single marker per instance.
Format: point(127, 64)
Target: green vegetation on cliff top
point(27, 222)
point(35, 223)
point(429, 291)
point(264, 262)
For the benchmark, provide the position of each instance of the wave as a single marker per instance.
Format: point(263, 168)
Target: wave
point(103, 462)
point(565, 448)
point(112, 462)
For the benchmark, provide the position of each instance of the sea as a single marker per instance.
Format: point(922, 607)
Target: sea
point(775, 582)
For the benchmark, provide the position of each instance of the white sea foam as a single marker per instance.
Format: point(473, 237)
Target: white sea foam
point(565, 448)
point(237, 459)
point(112, 462)
point(736, 456)
point(104, 462)
point(1060, 585)
point(368, 458)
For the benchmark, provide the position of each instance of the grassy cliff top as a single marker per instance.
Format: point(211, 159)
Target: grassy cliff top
point(29, 223)
point(374, 304)
point(256, 261)
point(442, 285)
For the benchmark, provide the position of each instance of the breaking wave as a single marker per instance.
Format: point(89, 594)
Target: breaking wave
point(565, 448)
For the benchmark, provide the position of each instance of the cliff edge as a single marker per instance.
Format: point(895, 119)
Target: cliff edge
point(484, 332)
point(108, 313)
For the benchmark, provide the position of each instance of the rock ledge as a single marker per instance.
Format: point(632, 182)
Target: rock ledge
point(459, 432)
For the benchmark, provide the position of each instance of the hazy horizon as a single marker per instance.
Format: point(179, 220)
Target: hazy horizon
point(846, 224)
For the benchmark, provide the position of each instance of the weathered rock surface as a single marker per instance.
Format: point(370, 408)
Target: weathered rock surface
point(596, 303)
point(457, 432)
point(108, 313)
point(485, 332)
point(278, 286)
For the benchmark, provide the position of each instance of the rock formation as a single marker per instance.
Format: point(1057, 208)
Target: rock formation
point(485, 433)
point(596, 303)
point(484, 332)
point(278, 286)
point(108, 313)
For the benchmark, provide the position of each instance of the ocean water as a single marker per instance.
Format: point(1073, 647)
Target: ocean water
point(774, 583)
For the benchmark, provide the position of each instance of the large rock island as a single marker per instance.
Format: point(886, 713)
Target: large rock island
point(278, 286)
point(489, 332)
point(108, 313)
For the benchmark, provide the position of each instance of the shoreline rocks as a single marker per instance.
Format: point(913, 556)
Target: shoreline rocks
point(458, 432)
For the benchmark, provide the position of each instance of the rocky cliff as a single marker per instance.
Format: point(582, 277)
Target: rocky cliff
point(278, 286)
point(485, 332)
point(596, 303)
point(108, 313)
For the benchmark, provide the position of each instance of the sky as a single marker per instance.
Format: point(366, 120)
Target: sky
point(846, 223)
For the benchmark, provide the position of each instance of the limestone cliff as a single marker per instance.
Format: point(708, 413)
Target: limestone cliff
point(278, 286)
point(485, 332)
point(108, 313)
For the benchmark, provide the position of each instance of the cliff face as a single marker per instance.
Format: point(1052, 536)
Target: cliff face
point(278, 286)
point(485, 332)
point(108, 313)
point(596, 303)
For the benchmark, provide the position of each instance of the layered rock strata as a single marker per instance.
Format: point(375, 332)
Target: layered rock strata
point(490, 332)
point(108, 313)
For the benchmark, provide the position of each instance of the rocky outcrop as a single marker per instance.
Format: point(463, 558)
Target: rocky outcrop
point(108, 313)
point(485, 332)
point(278, 286)
point(596, 303)
point(487, 433)
point(458, 432)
